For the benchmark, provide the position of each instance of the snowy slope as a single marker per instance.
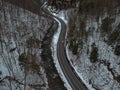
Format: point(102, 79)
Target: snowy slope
point(101, 72)
point(21, 33)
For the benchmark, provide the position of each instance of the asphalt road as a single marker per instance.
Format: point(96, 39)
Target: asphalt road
point(67, 69)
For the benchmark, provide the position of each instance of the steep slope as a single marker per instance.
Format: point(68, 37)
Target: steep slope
point(21, 34)
point(93, 43)
point(31, 41)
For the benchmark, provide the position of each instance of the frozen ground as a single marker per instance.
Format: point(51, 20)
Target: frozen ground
point(21, 33)
point(103, 74)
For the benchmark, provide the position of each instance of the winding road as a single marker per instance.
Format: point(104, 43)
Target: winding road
point(69, 73)
point(72, 78)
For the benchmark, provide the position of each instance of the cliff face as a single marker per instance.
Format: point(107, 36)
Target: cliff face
point(93, 43)
point(21, 33)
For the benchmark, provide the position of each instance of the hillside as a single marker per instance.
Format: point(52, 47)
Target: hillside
point(93, 43)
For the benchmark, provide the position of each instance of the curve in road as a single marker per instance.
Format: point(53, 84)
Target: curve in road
point(75, 82)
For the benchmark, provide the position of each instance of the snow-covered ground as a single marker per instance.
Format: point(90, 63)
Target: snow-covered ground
point(21, 33)
point(100, 75)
